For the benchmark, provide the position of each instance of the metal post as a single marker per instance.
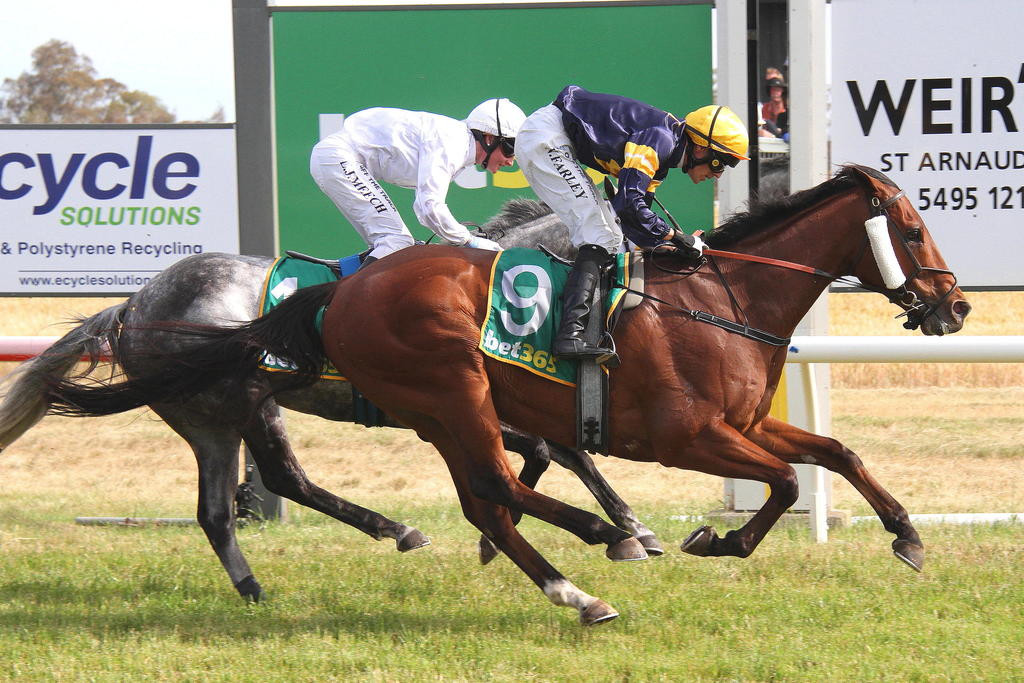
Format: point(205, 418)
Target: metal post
point(753, 82)
point(254, 133)
point(254, 137)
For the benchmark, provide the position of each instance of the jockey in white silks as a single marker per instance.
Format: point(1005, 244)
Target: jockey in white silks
point(411, 149)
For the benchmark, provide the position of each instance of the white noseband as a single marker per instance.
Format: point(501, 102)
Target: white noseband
point(885, 257)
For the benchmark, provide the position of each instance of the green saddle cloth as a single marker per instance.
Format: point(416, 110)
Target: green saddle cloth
point(525, 308)
point(284, 277)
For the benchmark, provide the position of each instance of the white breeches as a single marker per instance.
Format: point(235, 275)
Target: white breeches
point(360, 198)
point(548, 161)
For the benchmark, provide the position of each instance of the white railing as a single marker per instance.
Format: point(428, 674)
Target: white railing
point(806, 351)
point(949, 349)
point(817, 349)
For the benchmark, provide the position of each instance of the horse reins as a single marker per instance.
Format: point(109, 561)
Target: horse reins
point(915, 309)
point(880, 209)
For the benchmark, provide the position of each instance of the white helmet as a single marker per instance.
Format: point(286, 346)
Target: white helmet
point(496, 117)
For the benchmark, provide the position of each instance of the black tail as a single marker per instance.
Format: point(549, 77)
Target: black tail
point(212, 354)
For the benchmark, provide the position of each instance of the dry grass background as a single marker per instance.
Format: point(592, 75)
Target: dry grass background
point(941, 437)
point(994, 313)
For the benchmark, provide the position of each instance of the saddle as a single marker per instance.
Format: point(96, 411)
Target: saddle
point(340, 267)
point(364, 412)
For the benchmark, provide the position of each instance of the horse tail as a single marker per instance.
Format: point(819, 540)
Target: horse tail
point(209, 355)
point(26, 401)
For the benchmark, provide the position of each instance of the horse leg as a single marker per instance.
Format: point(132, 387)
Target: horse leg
point(582, 465)
point(216, 451)
point(724, 452)
point(267, 440)
point(490, 474)
point(796, 445)
point(537, 454)
point(536, 459)
point(495, 522)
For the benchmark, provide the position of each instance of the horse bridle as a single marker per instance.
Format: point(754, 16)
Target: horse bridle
point(913, 307)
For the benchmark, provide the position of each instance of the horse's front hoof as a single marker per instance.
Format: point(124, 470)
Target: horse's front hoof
point(699, 542)
point(626, 550)
point(413, 539)
point(652, 545)
point(910, 553)
point(598, 612)
point(488, 551)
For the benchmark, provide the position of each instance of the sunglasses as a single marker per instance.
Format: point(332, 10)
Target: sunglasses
point(508, 146)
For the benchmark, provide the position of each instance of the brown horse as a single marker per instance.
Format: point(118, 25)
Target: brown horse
point(701, 358)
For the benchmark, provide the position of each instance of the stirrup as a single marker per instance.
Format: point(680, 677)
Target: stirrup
point(611, 361)
point(574, 348)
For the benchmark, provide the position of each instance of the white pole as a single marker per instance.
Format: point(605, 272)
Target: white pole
point(731, 36)
point(733, 188)
point(808, 167)
point(959, 348)
point(819, 492)
point(916, 349)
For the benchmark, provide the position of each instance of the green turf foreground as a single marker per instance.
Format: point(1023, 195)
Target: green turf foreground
point(105, 604)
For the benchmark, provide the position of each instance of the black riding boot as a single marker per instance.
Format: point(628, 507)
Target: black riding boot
point(571, 341)
point(366, 261)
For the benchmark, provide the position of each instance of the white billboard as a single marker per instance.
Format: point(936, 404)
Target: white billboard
point(931, 92)
point(101, 210)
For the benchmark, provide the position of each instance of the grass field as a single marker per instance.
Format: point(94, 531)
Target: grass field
point(88, 603)
point(152, 604)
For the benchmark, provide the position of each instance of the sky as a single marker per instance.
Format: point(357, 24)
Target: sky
point(177, 50)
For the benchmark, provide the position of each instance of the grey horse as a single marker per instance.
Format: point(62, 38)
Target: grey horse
point(216, 289)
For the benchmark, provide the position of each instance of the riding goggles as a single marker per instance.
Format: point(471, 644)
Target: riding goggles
point(718, 161)
point(508, 146)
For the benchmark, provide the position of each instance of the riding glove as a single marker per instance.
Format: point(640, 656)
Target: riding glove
point(477, 242)
point(691, 245)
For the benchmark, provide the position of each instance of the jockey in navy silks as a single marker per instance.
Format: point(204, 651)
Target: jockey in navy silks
point(636, 143)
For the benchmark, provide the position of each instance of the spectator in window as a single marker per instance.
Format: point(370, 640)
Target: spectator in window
point(775, 105)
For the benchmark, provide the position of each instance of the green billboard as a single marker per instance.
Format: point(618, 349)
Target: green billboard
point(447, 61)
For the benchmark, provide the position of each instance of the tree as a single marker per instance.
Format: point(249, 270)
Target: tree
point(62, 88)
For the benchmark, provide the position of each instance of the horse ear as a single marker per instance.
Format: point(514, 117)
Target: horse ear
point(609, 188)
point(875, 179)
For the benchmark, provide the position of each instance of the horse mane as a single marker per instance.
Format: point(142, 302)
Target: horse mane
point(529, 223)
point(516, 212)
point(763, 214)
point(514, 222)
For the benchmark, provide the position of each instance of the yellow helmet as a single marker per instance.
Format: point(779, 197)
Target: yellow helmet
point(720, 129)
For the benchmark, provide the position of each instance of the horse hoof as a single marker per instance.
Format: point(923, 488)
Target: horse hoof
point(626, 550)
point(652, 545)
point(413, 539)
point(598, 612)
point(910, 553)
point(249, 588)
point(699, 542)
point(488, 551)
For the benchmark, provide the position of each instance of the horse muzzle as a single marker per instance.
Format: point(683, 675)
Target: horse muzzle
point(941, 320)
